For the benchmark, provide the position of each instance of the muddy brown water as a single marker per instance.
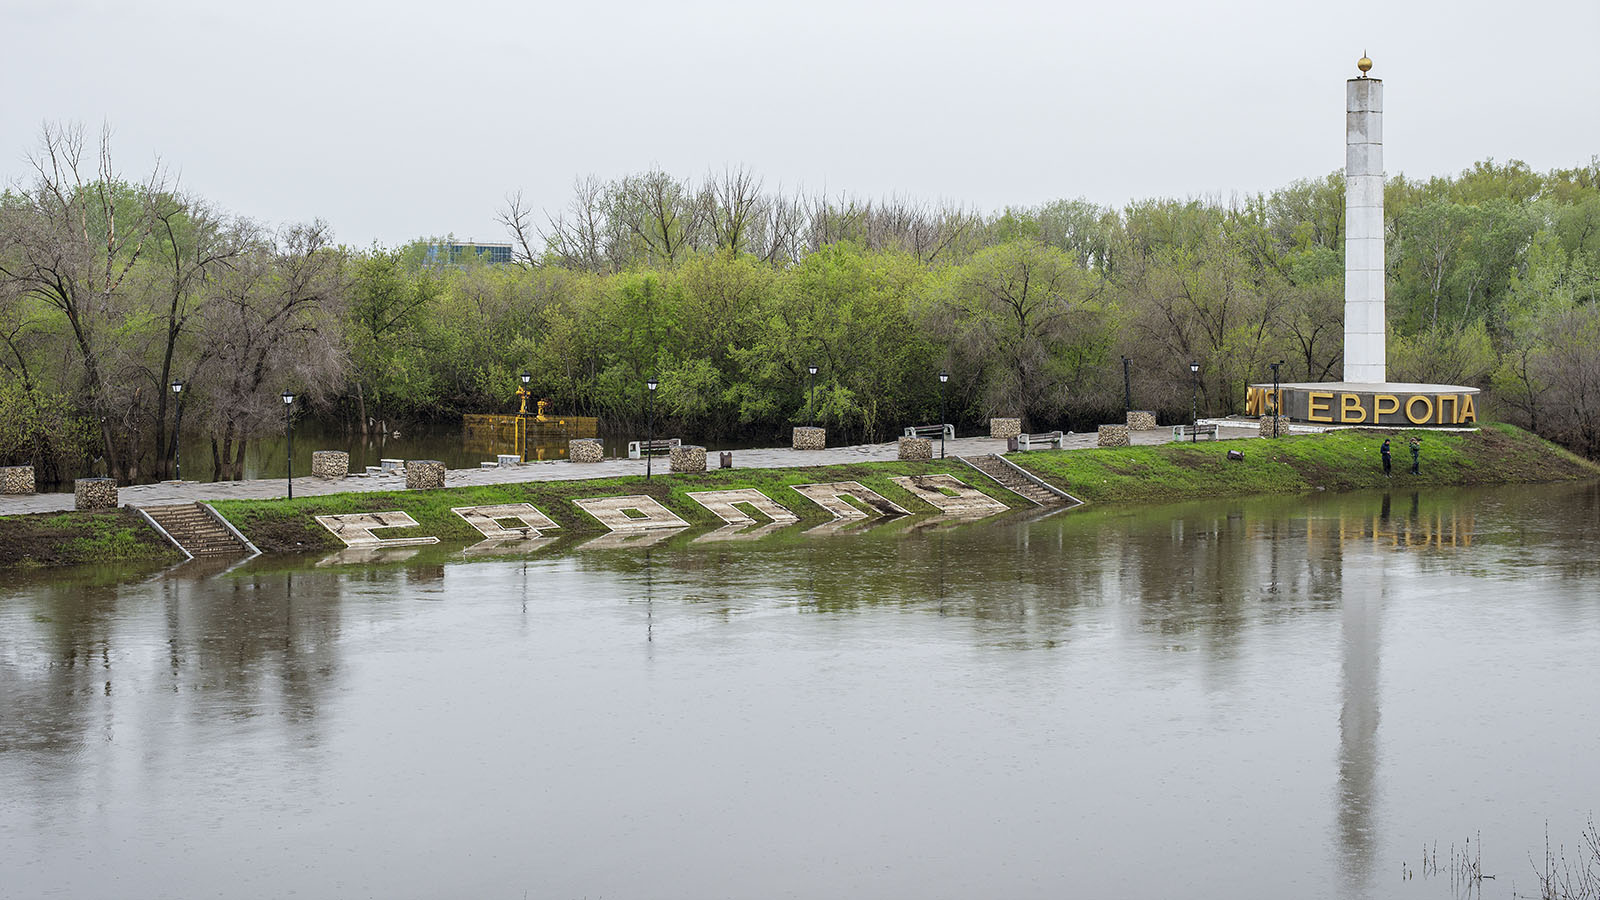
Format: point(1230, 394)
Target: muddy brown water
point(1278, 698)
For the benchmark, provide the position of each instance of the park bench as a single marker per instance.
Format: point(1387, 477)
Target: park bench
point(931, 431)
point(637, 449)
point(1179, 432)
point(1048, 438)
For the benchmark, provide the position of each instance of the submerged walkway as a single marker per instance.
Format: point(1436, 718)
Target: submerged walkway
point(168, 492)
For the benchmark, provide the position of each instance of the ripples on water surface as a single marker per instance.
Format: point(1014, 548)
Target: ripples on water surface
point(1267, 698)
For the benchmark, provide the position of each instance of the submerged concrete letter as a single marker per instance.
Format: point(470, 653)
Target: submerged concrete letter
point(355, 529)
point(486, 519)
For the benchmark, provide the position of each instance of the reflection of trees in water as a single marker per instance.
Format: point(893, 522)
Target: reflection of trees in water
point(57, 666)
point(231, 647)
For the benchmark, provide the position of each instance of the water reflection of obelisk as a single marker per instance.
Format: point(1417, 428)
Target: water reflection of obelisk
point(1363, 589)
point(1364, 360)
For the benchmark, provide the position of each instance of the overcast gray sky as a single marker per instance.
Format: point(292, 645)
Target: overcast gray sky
point(403, 119)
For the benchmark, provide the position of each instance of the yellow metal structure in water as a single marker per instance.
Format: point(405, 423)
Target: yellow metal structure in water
point(539, 436)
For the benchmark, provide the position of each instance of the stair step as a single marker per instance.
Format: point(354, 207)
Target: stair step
point(195, 530)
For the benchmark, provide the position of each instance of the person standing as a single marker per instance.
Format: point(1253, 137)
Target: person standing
point(1385, 451)
point(1416, 456)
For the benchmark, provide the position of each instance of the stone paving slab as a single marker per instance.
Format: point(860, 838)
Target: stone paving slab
point(168, 492)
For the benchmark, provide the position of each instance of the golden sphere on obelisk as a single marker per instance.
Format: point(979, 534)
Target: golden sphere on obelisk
point(1364, 64)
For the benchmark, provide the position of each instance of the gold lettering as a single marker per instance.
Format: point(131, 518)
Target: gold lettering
point(1378, 410)
point(1313, 407)
point(1427, 403)
point(1350, 408)
point(1454, 407)
point(1468, 412)
point(1252, 401)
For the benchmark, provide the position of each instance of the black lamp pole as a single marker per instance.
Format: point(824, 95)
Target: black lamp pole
point(288, 427)
point(944, 377)
point(650, 424)
point(1194, 403)
point(1127, 387)
point(522, 414)
point(1277, 397)
point(811, 394)
point(177, 433)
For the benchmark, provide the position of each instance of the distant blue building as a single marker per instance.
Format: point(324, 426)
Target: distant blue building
point(452, 254)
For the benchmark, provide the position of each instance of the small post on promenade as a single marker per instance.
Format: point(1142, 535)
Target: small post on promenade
point(1127, 388)
point(288, 429)
point(1194, 403)
point(944, 377)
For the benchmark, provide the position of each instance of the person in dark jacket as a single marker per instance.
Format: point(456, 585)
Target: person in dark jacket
point(1416, 456)
point(1385, 451)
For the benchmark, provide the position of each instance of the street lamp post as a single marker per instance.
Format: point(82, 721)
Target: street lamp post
point(1127, 388)
point(811, 394)
point(944, 378)
point(522, 414)
point(1194, 403)
point(650, 424)
point(1277, 397)
point(288, 428)
point(177, 432)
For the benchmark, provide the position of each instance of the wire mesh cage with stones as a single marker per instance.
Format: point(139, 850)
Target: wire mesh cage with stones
point(688, 458)
point(916, 448)
point(1114, 436)
point(1267, 429)
point(95, 493)
point(1000, 429)
point(424, 474)
point(584, 450)
point(808, 438)
point(16, 480)
point(330, 463)
point(1141, 420)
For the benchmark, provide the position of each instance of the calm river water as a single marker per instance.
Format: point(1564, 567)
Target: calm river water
point(1267, 698)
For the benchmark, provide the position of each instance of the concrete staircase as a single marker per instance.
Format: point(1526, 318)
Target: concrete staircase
point(194, 529)
point(1012, 479)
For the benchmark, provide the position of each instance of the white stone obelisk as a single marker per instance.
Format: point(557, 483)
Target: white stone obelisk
point(1364, 344)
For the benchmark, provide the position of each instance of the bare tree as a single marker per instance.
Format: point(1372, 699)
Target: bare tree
point(269, 325)
point(734, 208)
point(70, 238)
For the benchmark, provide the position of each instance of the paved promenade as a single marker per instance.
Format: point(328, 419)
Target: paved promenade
point(556, 470)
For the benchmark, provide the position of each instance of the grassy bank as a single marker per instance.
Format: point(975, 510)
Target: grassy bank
point(1335, 461)
point(80, 538)
point(288, 525)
